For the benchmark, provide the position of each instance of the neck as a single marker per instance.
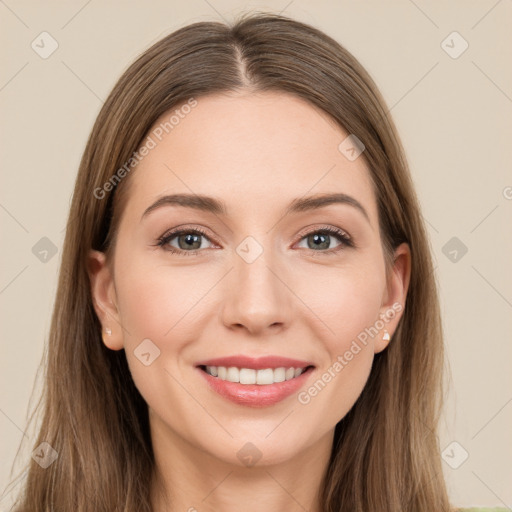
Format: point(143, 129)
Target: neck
point(192, 479)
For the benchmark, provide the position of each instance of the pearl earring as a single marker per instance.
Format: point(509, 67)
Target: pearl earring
point(108, 330)
point(386, 336)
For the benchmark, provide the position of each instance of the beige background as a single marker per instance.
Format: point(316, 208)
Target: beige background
point(455, 119)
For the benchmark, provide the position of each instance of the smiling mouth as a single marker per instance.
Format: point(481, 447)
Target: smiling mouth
point(261, 377)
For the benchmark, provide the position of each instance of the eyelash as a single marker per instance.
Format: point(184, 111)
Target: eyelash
point(345, 240)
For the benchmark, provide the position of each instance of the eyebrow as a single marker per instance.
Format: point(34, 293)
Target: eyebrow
point(218, 207)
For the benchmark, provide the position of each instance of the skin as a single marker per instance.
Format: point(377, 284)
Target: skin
point(256, 152)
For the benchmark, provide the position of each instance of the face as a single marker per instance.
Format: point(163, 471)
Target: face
point(254, 278)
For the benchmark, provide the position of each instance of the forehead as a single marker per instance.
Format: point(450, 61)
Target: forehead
point(252, 150)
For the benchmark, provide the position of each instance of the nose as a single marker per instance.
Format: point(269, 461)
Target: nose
point(257, 298)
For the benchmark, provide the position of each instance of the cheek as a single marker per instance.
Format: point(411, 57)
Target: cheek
point(157, 302)
point(349, 305)
point(347, 300)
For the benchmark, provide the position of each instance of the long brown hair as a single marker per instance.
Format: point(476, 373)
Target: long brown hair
point(385, 455)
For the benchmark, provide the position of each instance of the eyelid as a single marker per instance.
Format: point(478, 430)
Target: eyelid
point(323, 228)
point(187, 228)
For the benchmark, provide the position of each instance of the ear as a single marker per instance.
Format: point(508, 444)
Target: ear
point(393, 301)
point(104, 299)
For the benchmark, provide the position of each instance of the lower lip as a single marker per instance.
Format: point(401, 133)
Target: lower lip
point(256, 395)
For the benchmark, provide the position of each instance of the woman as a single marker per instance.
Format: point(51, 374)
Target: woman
point(294, 356)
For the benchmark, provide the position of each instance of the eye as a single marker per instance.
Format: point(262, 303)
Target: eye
point(189, 241)
point(186, 239)
point(321, 239)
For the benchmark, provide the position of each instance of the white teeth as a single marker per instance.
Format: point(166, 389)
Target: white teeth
point(265, 376)
point(280, 374)
point(290, 373)
point(233, 374)
point(251, 376)
point(247, 376)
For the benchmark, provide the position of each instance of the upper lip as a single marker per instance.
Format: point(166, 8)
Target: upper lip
point(255, 363)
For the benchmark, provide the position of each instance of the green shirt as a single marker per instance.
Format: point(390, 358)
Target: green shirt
point(482, 509)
